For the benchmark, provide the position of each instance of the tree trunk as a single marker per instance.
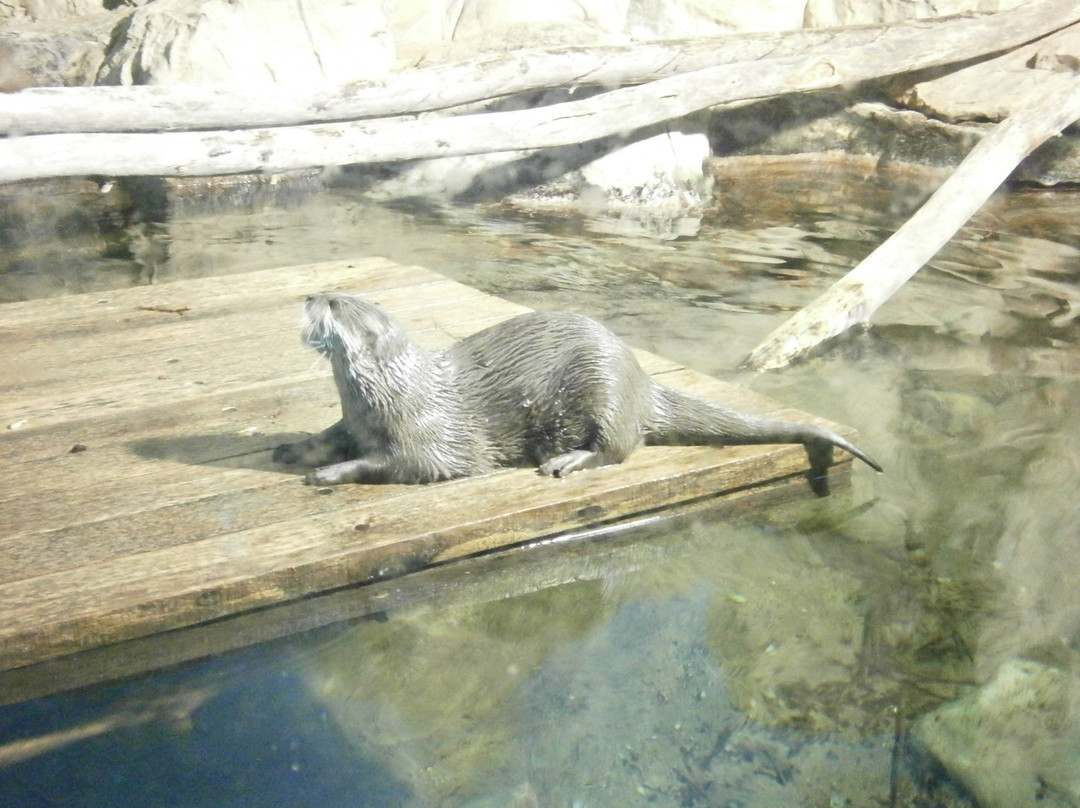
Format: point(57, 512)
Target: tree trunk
point(907, 46)
point(855, 297)
point(618, 111)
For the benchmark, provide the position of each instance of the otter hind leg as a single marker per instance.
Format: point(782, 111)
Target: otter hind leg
point(613, 440)
point(580, 459)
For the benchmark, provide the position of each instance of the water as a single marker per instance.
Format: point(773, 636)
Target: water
point(704, 661)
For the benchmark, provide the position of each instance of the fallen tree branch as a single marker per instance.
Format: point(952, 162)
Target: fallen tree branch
point(855, 297)
point(911, 46)
point(379, 141)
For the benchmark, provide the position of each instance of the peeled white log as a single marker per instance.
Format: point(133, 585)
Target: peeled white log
point(909, 46)
point(854, 298)
point(376, 141)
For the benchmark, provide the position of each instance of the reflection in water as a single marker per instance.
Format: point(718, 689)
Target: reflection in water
point(236, 731)
point(176, 707)
point(774, 662)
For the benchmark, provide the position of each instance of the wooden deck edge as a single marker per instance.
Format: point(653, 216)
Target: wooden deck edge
point(336, 556)
point(184, 645)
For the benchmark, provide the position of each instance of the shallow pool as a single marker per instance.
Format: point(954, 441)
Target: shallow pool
point(777, 659)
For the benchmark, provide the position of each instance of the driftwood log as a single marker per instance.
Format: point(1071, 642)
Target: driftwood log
point(854, 298)
point(898, 48)
point(889, 51)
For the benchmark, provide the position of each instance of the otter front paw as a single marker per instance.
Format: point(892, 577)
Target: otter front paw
point(360, 470)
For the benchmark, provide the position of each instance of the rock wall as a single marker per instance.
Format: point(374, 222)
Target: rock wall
point(197, 41)
point(205, 41)
point(826, 13)
point(251, 42)
point(260, 42)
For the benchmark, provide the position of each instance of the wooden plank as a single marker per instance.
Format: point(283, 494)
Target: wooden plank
point(202, 574)
point(228, 292)
point(142, 358)
point(174, 514)
point(581, 555)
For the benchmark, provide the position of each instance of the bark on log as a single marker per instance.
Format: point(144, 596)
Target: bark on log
point(152, 109)
point(855, 297)
point(377, 141)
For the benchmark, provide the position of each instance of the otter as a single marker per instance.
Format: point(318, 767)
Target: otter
point(553, 390)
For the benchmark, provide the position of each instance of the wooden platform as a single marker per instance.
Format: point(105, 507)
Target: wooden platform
point(139, 497)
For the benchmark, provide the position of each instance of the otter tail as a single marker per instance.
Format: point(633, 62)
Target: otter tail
point(679, 419)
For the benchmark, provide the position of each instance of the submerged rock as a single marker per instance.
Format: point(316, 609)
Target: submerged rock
point(1016, 740)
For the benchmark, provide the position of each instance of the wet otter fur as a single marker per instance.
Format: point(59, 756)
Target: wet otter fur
point(550, 389)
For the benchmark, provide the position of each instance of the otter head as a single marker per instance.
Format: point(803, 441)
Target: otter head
point(351, 327)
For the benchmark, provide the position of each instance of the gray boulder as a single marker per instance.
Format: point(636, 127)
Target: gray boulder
point(1016, 740)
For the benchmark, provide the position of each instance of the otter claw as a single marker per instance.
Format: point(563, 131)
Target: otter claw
point(563, 464)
